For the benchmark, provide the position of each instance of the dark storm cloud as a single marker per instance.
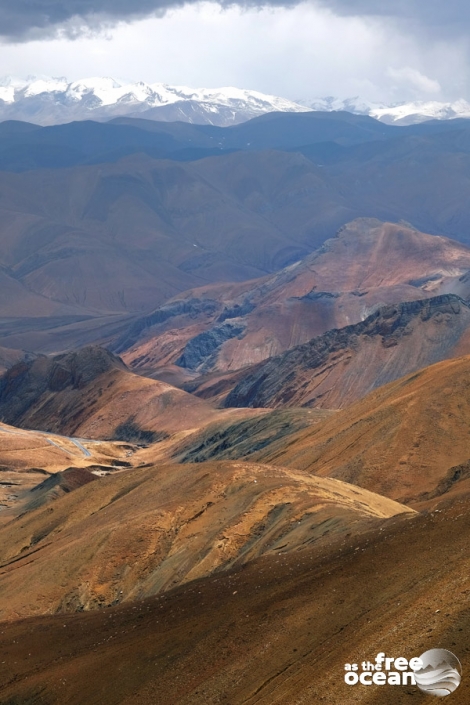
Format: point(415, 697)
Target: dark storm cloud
point(27, 19)
point(427, 13)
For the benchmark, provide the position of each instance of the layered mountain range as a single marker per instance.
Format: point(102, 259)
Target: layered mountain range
point(403, 113)
point(197, 214)
point(367, 266)
point(48, 101)
point(234, 403)
point(44, 100)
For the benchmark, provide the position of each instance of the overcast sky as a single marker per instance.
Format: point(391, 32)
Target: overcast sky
point(381, 50)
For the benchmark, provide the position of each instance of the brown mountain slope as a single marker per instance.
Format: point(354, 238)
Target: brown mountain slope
point(21, 449)
point(54, 334)
point(343, 365)
point(17, 300)
point(122, 238)
point(404, 440)
point(27, 457)
point(57, 486)
point(91, 393)
point(277, 632)
point(146, 530)
point(231, 439)
point(225, 327)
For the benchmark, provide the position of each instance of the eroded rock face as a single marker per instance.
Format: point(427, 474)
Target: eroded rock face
point(192, 308)
point(24, 384)
point(201, 352)
point(343, 365)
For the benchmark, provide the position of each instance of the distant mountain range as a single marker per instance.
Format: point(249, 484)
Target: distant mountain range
point(106, 221)
point(410, 113)
point(49, 101)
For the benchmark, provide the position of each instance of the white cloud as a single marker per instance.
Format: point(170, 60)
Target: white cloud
point(415, 79)
point(299, 52)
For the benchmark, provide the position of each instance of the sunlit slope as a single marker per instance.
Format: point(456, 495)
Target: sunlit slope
point(402, 440)
point(367, 265)
point(21, 449)
point(146, 530)
point(28, 458)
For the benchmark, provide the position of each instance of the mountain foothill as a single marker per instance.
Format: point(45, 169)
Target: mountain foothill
point(234, 406)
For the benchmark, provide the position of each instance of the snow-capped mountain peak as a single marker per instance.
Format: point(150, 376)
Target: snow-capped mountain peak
point(40, 86)
point(405, 113)
point(47, 101)
point(7, 94)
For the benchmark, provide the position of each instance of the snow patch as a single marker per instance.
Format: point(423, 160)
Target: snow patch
point(404, 113)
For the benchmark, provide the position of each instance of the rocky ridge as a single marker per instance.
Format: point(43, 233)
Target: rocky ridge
point(345, 364)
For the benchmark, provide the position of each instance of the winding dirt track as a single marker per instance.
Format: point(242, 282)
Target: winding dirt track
point(47, 437)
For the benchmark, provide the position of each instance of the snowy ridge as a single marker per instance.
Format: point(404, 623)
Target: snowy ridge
point(48, 100)
point(398, 114)
point(419, 112)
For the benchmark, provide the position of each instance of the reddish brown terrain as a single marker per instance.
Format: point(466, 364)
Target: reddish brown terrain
point(127, 236)
point(91, 393)
point(274, 478)
point(409, 440)
point(342, 366)
point(279, 630)
point(28, 458)
point(146, 530)
point(226, 327)
point(240, 581)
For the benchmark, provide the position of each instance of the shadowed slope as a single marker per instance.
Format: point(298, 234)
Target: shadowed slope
point(149, 529)
point(126, 237)
point(402, 440)
point(9, 357)
point(231, 440)
point(58, 485)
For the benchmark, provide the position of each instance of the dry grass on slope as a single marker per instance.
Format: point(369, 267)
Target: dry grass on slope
point(28, 457)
